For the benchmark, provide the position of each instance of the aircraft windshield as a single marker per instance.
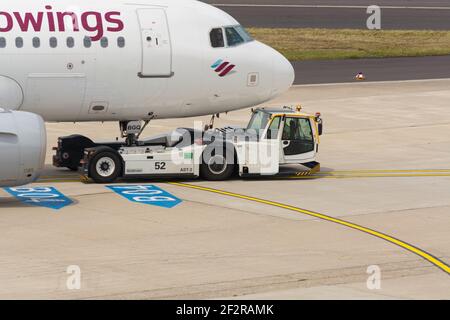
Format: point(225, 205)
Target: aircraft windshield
point(237, 35)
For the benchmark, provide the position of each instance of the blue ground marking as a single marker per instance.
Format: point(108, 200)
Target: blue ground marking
point(47, 197)
point(147, 194)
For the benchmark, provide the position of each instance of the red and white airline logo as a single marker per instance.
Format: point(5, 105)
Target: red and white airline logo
point(223, 67)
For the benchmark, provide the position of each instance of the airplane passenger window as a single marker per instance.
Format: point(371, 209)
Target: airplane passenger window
point(36, 42)
point(121, 42)
point(216, 36)
point(53, 42)
point(104, 42)
point(87, 42)
point(70, 42)
point(19, 42)
point(2, 42)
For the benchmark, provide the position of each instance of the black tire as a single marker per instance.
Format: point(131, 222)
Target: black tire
point(218, 167)
point(105, 166)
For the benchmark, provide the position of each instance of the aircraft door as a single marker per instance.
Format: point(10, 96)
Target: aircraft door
point(156, 45)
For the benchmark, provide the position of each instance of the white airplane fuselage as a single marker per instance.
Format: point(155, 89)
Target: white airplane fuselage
point(71, 61)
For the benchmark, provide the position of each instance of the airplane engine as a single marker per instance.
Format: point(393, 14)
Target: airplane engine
point(23, 142)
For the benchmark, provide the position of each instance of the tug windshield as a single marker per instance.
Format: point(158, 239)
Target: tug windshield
point(258, 121)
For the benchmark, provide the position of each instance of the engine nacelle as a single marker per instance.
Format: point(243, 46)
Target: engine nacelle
point(23, 142)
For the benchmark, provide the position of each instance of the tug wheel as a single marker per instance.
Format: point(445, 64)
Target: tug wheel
point(217, 166)
point(105, 167)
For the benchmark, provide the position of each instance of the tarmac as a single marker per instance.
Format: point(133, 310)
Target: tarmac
point(381, 202)
point(384, 69)
point(348, 14)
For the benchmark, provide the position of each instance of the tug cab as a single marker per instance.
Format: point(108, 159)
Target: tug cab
point(296, 135)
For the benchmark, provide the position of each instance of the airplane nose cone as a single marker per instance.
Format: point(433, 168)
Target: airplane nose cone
point(284, 74)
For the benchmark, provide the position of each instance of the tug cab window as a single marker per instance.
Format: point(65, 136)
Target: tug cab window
point(258, 122)
point(216, 36)
point(297, 136)
point(274, 128)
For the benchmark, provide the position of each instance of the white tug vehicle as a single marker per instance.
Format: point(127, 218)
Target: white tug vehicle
point(273, 138)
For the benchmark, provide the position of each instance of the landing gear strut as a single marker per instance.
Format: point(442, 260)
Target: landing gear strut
point(132, 130)
point(211, 122)
point(70, 149)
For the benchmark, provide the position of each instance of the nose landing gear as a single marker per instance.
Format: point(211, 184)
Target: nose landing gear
point(211, 122)
point(132, 130)
point(70, 149)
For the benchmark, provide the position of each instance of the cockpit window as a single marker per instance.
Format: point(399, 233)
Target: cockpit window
point(233, 37)
point(243, 33)
point(217, 40)
point(237, 35)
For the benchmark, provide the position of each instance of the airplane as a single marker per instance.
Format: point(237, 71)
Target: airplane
point(80, 61)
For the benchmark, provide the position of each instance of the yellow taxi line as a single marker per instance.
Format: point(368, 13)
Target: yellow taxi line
point(352, 176)
point(430, 258)
point(320, 175)
point(390, 171)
